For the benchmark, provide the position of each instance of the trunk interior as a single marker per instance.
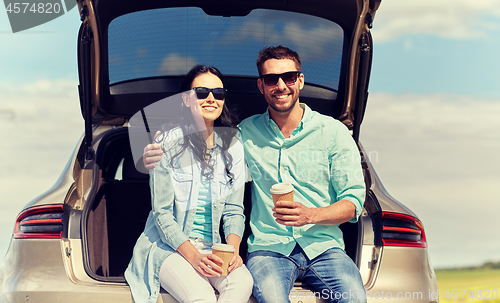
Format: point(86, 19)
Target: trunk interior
point(121, 206)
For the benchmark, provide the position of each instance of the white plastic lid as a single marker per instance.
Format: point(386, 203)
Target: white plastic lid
point(281, 188)
point(223, 247)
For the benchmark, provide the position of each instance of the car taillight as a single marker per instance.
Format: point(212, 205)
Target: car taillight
point(402, 230)
point(40, 222)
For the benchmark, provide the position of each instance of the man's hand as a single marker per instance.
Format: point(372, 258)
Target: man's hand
point(296, 214)
point(152, 154)
point(293, 213)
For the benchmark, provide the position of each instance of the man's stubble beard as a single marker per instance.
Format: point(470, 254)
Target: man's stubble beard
point(286, 110)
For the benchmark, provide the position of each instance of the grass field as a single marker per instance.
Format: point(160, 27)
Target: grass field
point(469, 285)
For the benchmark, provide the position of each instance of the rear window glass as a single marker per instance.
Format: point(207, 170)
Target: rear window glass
point(170, 41)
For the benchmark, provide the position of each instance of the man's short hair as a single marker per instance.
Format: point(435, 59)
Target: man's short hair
point(278, 52)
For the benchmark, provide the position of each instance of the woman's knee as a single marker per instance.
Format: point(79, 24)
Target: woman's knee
point(236, 287)
point(246, 278)
point(241, 278)
point(183, 282)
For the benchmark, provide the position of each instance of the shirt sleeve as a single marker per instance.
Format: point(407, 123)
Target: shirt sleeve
point(233, 216)
point(162, 196)
point(345, 170)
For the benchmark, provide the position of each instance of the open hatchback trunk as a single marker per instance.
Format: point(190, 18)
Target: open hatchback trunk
point(134, 54)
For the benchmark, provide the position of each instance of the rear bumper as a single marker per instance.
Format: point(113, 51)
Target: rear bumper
point(41, 271)
point(404, 275)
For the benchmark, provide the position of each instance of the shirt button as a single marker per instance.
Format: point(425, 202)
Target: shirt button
point(274, 127)
point(283, 170)
point(284, 147)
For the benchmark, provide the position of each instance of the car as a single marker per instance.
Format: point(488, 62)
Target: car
point(73, 243)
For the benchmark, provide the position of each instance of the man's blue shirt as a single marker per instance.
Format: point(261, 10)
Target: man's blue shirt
point(322, 162)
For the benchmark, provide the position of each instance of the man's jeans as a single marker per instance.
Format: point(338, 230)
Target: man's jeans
point(333, 276)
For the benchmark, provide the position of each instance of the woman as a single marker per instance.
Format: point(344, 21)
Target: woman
point(199, 179)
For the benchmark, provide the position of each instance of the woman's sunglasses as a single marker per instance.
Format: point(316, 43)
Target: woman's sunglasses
point(272, 79)
point(203, 92)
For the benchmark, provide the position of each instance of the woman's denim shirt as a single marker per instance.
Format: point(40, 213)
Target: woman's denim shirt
point(174, 197)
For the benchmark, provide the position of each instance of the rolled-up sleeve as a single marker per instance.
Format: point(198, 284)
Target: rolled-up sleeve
point(233, 216)
point(346, 171)
point(162, 197)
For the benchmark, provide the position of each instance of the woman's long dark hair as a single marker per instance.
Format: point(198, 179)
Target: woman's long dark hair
point(224, 126)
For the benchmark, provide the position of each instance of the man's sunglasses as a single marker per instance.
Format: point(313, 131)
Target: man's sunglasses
point(203, 92)
point(272, 79)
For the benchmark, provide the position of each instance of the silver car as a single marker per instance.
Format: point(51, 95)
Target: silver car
point(73, 243)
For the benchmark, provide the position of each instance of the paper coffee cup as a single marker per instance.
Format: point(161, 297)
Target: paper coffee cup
point(225, 252)
point(282, 191)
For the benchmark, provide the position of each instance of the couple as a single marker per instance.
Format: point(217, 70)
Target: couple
point(294, 240)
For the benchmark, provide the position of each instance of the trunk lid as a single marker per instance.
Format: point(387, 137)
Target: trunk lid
point(134, 53)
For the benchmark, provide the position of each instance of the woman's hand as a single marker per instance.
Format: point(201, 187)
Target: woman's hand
point(207, 264)
point(235, 262)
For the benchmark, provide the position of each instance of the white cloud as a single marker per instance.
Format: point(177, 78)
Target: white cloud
point(322, 36)
point(252, 29)
point(141, 52)
point(293, 34)
point(176, 64)
point(45, 105)
point(438, 155)
point(60, 88)
point(453, 19)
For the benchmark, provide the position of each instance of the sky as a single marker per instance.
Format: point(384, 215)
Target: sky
point(431, 125)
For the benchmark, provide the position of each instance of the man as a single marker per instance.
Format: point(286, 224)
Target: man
point(300, 239)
